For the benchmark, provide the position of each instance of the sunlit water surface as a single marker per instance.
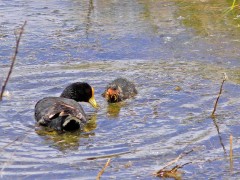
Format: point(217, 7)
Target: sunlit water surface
point(177, 72)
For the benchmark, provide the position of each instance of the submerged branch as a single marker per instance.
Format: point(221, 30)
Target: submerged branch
point(18, 38)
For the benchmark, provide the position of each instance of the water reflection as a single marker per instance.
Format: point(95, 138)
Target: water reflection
point(89, 13)
point(67, 141)
point(207, 18)
point(92, 123)
point(113, 109)
point(219, 134)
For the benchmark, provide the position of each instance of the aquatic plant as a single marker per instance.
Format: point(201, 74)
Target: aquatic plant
point(233, 6)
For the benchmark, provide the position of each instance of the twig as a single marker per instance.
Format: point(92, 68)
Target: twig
point(180, 166)
point(219, 94)
point(172, 172)
point(103, 169)
point(177, 159)
point(111, 155)
point(9, 144)
point(13, 59)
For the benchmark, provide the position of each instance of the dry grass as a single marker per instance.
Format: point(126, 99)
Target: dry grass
point(103, 169)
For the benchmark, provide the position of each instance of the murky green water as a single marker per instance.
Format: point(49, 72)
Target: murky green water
point(174, 51)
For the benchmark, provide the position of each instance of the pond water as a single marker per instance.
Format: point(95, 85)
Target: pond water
point(174, 51)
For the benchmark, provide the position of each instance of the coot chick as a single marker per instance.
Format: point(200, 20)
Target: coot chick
point(64, 113)
point(119, 90)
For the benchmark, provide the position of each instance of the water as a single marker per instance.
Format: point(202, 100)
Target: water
point(176, 64)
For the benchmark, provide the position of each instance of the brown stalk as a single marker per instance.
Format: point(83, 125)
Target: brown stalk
point(219, 94)
point(18, 38)
point(178, 158)
point(175, 168)
point(103, 169)
point(215, 108)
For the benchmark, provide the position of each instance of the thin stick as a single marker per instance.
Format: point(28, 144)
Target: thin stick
point(164, 173)
point(103, 169)
point(157, 173)
point(178, 158)
point(9, 144)
point(13, 59)
point(111, 155)
point(219, 94)
point(180, 166)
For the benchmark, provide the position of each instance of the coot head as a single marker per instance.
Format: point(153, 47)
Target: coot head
point(80, 92)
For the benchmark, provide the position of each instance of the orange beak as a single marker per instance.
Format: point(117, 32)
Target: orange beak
point(112, 92)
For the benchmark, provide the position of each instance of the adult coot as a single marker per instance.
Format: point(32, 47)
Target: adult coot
point(64, 113)
point(118, 90)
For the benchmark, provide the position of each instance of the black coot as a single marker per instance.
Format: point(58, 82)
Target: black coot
point(64, 113)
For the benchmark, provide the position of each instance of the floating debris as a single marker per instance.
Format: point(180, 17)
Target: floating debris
point(178, 88)
point(6, 94)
